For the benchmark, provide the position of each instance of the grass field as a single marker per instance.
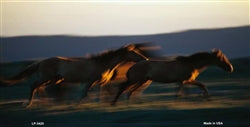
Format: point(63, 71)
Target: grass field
point(158, 105)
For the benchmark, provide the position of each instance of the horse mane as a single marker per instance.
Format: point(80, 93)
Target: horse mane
point(104, 56)
point(109, 54)
point(194, 57)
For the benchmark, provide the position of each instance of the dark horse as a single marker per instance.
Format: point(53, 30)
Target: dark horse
point(183, 70)
point(92, 70)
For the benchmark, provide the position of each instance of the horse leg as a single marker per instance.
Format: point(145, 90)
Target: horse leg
point(34, 88)
point(104, 92)
point(122, 88)
point(108, 89)
point(138, 85)
point(180, 90)
point(41, 92)
point(37, 85)
point(86, 89)
point(102, 89)
point(202, 86)
point(57, 80)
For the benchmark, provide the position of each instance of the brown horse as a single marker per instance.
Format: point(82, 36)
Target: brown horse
point(183, 70)
point(90, 70)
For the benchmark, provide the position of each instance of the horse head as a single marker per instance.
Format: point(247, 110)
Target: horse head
point(134, 53)
point(141, 50)
point(222, 61)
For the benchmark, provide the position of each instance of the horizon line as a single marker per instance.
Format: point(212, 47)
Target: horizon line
point(118, 35)
point(125, 1)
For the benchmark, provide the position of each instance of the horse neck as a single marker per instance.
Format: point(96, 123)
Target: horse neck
point(111, 63)
point(202, 62)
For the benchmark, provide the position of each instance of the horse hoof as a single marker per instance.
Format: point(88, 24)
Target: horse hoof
point(28, 106)
point(25, 104)
point(79, 102)
point(113, 103)
point(206, 95)
point(179, 95)
point(208, 99)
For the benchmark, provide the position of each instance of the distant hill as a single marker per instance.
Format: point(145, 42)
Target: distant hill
point(234, 42)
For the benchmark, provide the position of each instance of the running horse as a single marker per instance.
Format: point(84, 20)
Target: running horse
point(182, 70)
point(92, 70)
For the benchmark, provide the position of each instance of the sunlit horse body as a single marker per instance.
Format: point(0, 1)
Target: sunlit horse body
point(183, 70)
point(90, 70)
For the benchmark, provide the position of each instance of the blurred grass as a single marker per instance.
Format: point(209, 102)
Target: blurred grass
point(156, 106)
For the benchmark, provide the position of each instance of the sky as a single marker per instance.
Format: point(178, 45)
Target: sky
point(120, 17)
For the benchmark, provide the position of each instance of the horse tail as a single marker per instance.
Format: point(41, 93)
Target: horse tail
point(28, 71)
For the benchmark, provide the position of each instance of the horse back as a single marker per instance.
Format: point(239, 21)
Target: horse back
point(138, 71)
point(70, 68)
point(161, 71)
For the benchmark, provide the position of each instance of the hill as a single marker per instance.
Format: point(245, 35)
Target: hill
point(234, 42)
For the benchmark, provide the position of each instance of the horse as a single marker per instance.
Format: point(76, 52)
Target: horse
point(182, 70)
point(91, 70)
